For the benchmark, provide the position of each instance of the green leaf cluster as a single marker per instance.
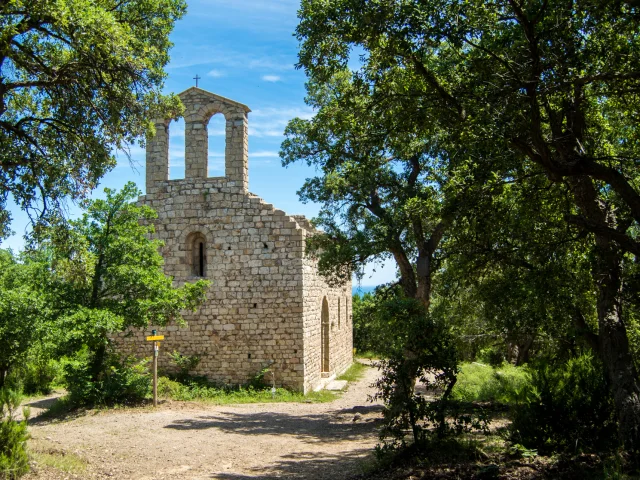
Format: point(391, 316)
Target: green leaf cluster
point(80, 79)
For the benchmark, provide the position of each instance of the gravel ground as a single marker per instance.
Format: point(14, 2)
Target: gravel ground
point(181, 440)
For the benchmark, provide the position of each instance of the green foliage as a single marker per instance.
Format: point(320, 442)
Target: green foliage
point(185, 363)
point(363, 328)
point(22, 311)
point(260, 380)
point(38, 375)
point(506, 384)
point(14, 461)
point(80, 79)
point(509, 122)
point(568, 408)
point(416, 346)
point(195, 389)
point(107, 276)
point(122, 382)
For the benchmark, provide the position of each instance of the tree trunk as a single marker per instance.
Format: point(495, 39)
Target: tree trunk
point(97, 362)
point(614, 349)
point(612, 333)
point(524, 350)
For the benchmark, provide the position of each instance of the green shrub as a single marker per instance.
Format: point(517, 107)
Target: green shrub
point(481, 383)
point(36, 376)
point(568, 408)
point(364, 328)
point(185, 363)
point(124, 381)
point(14, 461)
point(493, 355)
point(168, 388)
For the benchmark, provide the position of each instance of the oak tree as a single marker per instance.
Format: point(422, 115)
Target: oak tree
point(79, 79)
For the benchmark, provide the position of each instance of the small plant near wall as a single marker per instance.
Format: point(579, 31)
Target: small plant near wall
point(185, 363)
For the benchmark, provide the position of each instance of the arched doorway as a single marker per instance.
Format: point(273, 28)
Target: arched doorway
point(324, 336)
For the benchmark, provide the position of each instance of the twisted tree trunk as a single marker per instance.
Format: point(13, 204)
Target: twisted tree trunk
point(613, 342)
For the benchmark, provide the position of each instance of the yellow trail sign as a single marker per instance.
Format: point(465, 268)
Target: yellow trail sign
point(155, 338)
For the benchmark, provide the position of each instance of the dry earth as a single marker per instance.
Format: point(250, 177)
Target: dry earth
point(181, 440)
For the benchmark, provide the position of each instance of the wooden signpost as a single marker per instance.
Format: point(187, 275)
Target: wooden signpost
point(156, 350)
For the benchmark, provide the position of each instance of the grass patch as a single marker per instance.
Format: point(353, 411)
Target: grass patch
point(482, 383)
point(368, 355)
point(354, 372)
point(63, 461)
point(200, 390)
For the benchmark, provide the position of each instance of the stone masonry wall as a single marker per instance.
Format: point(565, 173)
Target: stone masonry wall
point(252, 315)
point(340, 325)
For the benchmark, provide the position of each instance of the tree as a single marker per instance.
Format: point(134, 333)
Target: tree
point(22, 309)
point(383, 196)
point(508, 83)
point(108, 276)
point(79, 79)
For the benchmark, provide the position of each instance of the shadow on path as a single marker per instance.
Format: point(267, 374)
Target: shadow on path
point(331, 426)
point(309, 465)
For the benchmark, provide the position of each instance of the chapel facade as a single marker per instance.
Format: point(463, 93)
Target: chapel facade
point(267, 305)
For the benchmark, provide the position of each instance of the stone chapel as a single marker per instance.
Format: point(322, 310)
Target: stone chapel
point(267, 305)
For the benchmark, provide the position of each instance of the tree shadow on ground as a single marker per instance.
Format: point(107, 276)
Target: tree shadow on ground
point(341, 425)
point(309, 465)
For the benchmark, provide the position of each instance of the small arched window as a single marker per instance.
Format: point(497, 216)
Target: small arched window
point(197, 254)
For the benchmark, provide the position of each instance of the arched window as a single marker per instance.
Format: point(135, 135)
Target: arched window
point(197, 254)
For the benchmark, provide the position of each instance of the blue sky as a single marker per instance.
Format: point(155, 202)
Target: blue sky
point(244, 50)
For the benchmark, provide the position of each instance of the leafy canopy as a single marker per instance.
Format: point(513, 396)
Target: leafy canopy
point(78, 80)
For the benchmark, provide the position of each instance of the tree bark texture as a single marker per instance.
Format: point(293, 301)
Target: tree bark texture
point(613, 342)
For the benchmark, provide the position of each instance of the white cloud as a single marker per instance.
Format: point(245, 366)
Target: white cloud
point(215, 74)
point(221, 56)
point(271, 122)
point(264, 154)
point(271, 78)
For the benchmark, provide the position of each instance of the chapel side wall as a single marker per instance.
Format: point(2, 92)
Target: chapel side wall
point(340, 330)
point(253, 312)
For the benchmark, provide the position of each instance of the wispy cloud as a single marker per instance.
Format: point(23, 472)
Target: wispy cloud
point(271, 122)
point(263, 154)
point(271, 78)
point(215, 74)
point(222, 58)
point(257, 15)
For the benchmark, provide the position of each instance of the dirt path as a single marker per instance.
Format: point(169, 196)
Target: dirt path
point(195, 441)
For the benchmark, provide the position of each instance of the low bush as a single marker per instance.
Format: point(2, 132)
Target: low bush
point(14, 461)
point(36, 376)
point(568, 408)
point(482, 383)
point(124, 381)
